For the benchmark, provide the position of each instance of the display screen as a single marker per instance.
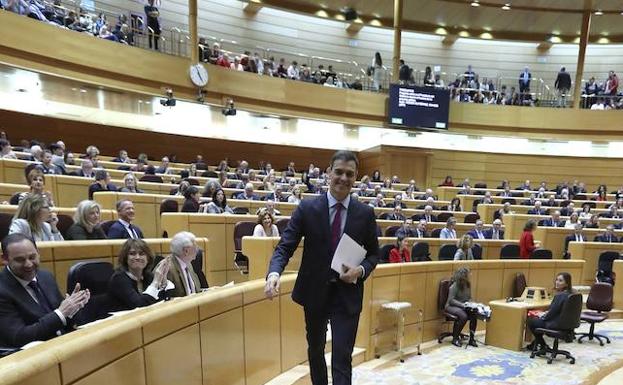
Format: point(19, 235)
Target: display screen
point(418, 107)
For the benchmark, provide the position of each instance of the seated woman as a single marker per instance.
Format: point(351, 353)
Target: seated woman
point(130, 184)
point(209, 189)
point(86, 222)
point(464, 248)
point(447, 182)
point(400, 252)
point(36, 181)
point(573, 220)
point(265, 225)
point(449, 232)
point(458, 294)
point(296, 196)
point(455, 205)
point(526, 241)
point(551, 318)
point(592, 222)
point(191, 200)
point(35, 220)
point(218, 204)
point(585, 214)
point(133, 284)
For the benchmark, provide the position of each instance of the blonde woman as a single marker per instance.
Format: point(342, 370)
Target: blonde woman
point(86, 222)
point(296, 197)
point(464, 248)
point(265, 225)
point(35, 220)
point(130, 184)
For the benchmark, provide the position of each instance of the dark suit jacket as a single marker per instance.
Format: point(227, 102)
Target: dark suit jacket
point(571, 238)
point(311, 220)
point(96, 187)
point(489, 234)
point(124, 293)
point(540, 212)
point(22, 320)
point(473, 234)
point(550, 223)
point(552, 317)
point(118, 231)
point(433, 218)
point(603, 238)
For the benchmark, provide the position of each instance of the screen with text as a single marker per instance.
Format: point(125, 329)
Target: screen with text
point(418, 107)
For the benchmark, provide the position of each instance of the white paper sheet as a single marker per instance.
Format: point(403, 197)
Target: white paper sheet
point(348, 253)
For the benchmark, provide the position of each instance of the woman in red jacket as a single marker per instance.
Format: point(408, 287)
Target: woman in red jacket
point(526, 242)
point(400, 253)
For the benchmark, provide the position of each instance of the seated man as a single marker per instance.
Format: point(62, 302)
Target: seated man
point(420, 230)
point(248, 193)
point(428, 194)
point(123, 227)
point(184, 250)
point(269, 206)
point(467, 190)
point(31, 306)
point(277, 194)
point(449, 232)
point(524, 186)
point(495, 232)
point(150, 175)
point(377, 202)
point(551, 201)
point(406, 230)
point(537, 210)
point(608, 235)
point(486, 199)
point(122, 158)
point(397, 214)
point(478, 231)
point(102, 183)
point(531, 201)
point(577, 236)
point(363, 191)
point(428, 215)
point(554, 220)
point(86, 170)
point(164, 166)
point(612, 213)
point(506, 193)
point(566, 211)
point(398, 201)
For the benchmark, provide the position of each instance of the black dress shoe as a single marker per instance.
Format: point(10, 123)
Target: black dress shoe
point(472, 342)
point(457, 342)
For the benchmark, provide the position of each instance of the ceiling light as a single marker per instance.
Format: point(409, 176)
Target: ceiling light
point(598, 12)
point(464, 34)
point(506, 7)
point(441, 31)
point(322, 13)
point(475, 3)
point(486, 35)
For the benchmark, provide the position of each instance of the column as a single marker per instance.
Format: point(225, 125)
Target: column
point(397, 38)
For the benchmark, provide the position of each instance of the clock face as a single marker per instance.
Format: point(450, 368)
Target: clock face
point(198, 75)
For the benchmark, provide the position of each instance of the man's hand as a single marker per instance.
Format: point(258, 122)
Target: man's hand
point(272, 286)
point(74, 302)
point(350, 275)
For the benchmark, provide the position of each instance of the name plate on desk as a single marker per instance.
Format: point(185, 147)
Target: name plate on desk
point(534, 294)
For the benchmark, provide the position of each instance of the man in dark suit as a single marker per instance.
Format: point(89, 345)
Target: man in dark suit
point(406, 230)
point(102, 183)
point(554, 220)
point(31, 306)
point(608, 236)
point(577, 236)
point(478, 232)
point(248, 193)
point(495, 232)
point(324, 293)
point(428, 215)
point(396, 215)
point(420, 230)
point(567, 210)
point(524, 80)
point(86, 170)
point(537, 210)
point(563, 84)
point(123, 227)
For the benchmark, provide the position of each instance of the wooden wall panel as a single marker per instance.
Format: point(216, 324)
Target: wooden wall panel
point(127, 370)
point(222, 349)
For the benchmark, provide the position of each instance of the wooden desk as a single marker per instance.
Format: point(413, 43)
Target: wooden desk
point(506, 327)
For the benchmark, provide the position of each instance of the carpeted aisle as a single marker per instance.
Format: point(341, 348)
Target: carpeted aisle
point(450, 365)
